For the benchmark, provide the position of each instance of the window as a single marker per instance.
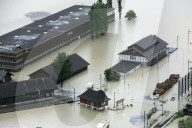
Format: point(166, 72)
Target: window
point(133, 58)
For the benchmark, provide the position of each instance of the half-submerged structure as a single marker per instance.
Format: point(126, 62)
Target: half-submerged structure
point(94, 99)
point(31, 42)
point(146, 51)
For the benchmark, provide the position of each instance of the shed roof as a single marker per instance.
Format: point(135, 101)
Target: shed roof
point(125, 66)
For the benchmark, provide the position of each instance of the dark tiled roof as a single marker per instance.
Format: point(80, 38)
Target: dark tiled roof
point(94, 96)
point(147, 46)
point(77, 64)
point(125, 66)
point(13, 89)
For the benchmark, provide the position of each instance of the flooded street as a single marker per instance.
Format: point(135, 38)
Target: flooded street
point(166, 19)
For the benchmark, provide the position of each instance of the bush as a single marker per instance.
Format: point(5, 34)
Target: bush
point(111, 75)
point(130, 15)
point(185, 123)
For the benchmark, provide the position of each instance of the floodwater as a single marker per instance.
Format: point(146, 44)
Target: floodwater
point(166, 19)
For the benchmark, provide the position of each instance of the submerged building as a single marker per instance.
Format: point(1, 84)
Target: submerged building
point(97, 100)
point(146, 51)
point(15, 92)
point(31, 42)
point(78, 65)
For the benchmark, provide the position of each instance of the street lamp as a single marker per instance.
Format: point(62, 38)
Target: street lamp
point(39, 92)
point(188, 35)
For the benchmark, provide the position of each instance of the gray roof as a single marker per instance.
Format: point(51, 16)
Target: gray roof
point(44, 29)
point(125, 66)
point(147, 46)
point(13, 89)
point(94, 96)
point(76, 61)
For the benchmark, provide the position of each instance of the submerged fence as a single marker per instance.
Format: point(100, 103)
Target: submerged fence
point(184, 87)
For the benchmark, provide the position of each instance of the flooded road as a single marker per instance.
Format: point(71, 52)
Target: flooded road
point(165, 19)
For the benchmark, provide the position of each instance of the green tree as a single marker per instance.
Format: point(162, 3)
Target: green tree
point(119, 7)
point(100, 1)
point(185, 123)
point(109, 4)
point(130, 15)
point(62, 67)
point(98, 19)
point(111, 75)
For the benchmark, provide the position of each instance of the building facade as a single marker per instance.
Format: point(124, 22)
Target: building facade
point(31, 42)
point(94, 99)
point(15, 92)
point(145, 50)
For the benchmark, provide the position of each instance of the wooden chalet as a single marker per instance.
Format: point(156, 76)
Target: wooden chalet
point(94, 99)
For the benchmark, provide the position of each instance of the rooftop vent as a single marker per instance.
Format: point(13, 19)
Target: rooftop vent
point(80, 8)
point(56, 27)
point(61, 16)
point(76, 18)
point(16, 36)
point(50, 21)
point(45, 32)
point(71, 12)
point(40, 26)
point(28, 30)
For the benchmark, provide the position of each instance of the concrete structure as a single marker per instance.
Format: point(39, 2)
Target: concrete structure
point(94, 99)
point(31, 42)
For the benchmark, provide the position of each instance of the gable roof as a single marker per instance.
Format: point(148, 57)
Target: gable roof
point(94, 96)
point(13, 89)
point(147, 46)
point(76, 61)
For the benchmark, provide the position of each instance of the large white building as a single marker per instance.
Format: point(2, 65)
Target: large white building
point(146, 51)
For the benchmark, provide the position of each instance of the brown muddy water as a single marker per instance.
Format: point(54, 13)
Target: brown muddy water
point(166, 19)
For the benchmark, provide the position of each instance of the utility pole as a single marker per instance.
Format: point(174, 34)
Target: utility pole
point(144, 119)
point(142, 69)
point(124, 78)
point(168, 54)
point(100, 81)
point(74, 94)
point(114, 99)
point(177, 41)
point(188, 35)
point(162, 104)
point(147, 120)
